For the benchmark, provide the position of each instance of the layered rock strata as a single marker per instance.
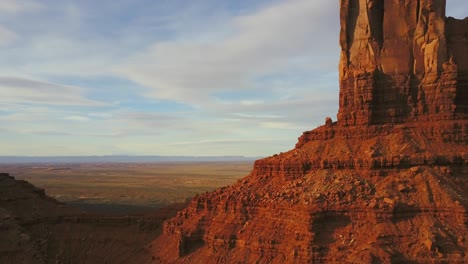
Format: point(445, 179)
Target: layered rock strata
point(386, 183)
point(333, 201)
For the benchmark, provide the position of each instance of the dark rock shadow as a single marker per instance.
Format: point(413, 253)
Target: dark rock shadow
point(324, 226)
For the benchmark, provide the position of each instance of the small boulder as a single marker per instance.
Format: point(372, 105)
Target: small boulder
point(389, 201)
point(429, 243)
point(415, 169)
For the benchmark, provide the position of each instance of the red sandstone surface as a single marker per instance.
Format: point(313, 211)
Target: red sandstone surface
point(386, 183)
point(333, 201)
point(401, 61)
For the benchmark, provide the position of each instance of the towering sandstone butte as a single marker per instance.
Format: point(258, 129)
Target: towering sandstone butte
point(401, 61)
point(387, 183)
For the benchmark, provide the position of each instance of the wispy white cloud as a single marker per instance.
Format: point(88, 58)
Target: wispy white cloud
point(251, 102)
point(279, 125)
point(275, 39)
point(254, 78)
point(77, 118)
point(243, 115)
point(23, 90)
point(17, 6)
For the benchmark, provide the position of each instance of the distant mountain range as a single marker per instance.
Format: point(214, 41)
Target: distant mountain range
point(120, 158)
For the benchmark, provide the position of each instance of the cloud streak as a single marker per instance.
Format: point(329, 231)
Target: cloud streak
point(261, 44)
point(241, 76)
point(22, 90)
point(15, 6)
point(167, 77)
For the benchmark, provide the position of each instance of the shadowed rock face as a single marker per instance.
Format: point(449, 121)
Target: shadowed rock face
point(401, 61)
point(37, 229)
point(387, 183)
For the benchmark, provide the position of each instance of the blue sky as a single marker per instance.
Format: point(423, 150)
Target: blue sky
point(166, 77)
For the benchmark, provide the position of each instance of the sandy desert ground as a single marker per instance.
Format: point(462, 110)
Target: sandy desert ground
point(122, 187)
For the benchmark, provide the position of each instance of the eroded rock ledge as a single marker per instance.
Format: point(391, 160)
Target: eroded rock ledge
point(386, 183)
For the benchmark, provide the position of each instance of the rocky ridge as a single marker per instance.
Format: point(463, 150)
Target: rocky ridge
point(386, 183)
point(287, 211)
point(35, 228)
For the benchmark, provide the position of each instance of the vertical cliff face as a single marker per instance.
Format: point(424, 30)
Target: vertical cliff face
point(457, 42)
point(387, 183)
point(401, 61)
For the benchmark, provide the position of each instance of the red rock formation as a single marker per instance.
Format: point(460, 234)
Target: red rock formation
point(405, 65)
point(335, 200)
point(388, 182)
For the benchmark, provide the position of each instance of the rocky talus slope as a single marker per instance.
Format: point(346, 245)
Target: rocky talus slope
point(386, 183)
point(393, 198)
